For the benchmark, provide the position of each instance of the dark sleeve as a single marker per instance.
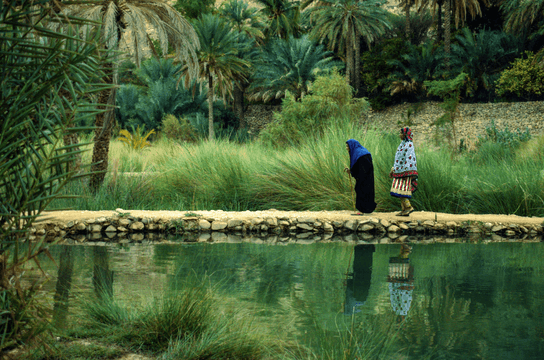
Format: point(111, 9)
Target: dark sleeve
point(362, 167)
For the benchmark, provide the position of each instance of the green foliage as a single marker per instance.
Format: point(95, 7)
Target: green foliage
point(421, 64)
point(504, 137)
point(330, 99)
point(377, 68)
point(244, 18)
point(128, 97)
point(177, 129)
point(127, 73)
point(524, 79)
point(220, 66)
point(482, 56)
point(337, 21)
point(288, 65)
point(47, 78)
point(192, 9)
point(420, 23)
point(450, 92)
point(161, 95)
point(283, 18)
point(137, 140)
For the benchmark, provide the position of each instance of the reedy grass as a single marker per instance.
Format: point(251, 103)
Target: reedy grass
point(251, 176)
point(184, 324)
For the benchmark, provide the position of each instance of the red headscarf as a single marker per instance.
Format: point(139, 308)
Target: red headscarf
point(407, 132)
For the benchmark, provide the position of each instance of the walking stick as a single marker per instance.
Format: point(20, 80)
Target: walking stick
point(352, 196)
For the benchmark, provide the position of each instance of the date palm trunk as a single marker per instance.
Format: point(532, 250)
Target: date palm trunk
point(447, 33)
point(349, 58)
point(102, 137)
point(408, 30)
point(439, 22)
point(357, 60)
point(238, 95)
point(211, 134)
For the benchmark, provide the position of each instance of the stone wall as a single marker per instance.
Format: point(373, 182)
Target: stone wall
point(125, 229)
point(472, 121)
point(473, 118)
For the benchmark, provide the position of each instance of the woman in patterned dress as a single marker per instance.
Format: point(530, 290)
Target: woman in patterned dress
point(404, 172)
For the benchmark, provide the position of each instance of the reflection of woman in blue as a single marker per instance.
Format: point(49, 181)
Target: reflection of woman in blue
point(401, 282)
point(358, 286)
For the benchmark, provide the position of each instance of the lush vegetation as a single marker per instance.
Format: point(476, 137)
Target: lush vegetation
point(192, 77)
point(47, 82)
point(231, 176)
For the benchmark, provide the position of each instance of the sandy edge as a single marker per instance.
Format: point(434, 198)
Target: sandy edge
point(72, 215)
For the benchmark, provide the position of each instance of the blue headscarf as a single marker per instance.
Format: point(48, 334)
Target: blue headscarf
point(356, 150)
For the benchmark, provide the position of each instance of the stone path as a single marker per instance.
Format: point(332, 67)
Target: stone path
point(131, 225)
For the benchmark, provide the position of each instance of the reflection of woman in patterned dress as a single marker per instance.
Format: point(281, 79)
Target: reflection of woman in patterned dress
point(404, 172)
point(401, 282)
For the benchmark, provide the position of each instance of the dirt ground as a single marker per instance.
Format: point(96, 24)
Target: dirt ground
point(66, 216)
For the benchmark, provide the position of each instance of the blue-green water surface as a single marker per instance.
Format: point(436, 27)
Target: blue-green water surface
point(441, 301)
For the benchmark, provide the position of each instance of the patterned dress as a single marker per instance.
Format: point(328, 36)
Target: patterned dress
point(405, 168)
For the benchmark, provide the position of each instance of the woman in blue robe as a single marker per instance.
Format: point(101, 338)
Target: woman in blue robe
point(362, 169)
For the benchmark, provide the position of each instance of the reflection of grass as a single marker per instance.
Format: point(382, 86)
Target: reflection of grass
point(182, 325)
point(357, 337)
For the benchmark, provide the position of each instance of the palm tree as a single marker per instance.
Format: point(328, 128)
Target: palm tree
point(283, 17)
point(343, 22)
point(129, 22)
point(457, 9)
point(243, 18)
point(288, 65)
point(246, 20)
point(419, 65)
point(37, 66)
point(217, 59)
point(521, 14)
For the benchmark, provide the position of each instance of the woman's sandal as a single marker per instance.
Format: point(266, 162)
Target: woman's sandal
point(406, 212)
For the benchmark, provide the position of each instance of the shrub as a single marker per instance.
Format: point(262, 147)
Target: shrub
point(178, 129)
point(525, 79)
point(505, 136)
point(137, 140)
point(330, 98)
point(128, 97)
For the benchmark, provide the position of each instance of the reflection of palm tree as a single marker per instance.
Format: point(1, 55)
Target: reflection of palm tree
point(438, 321)
point(102, 275)
point(63, 286)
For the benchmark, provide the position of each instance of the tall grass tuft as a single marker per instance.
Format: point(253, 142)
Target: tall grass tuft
point(179, 325)
point(213, 174)
point(173, 316)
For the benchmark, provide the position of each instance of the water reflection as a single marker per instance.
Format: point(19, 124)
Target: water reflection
point(102, 275)
point(358, 282)
point(63, 286)
point(401, 281)
point(465, 301)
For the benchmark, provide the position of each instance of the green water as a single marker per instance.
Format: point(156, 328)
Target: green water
point(446, 301)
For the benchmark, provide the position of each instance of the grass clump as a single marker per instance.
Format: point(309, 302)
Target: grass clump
point(181, 325)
